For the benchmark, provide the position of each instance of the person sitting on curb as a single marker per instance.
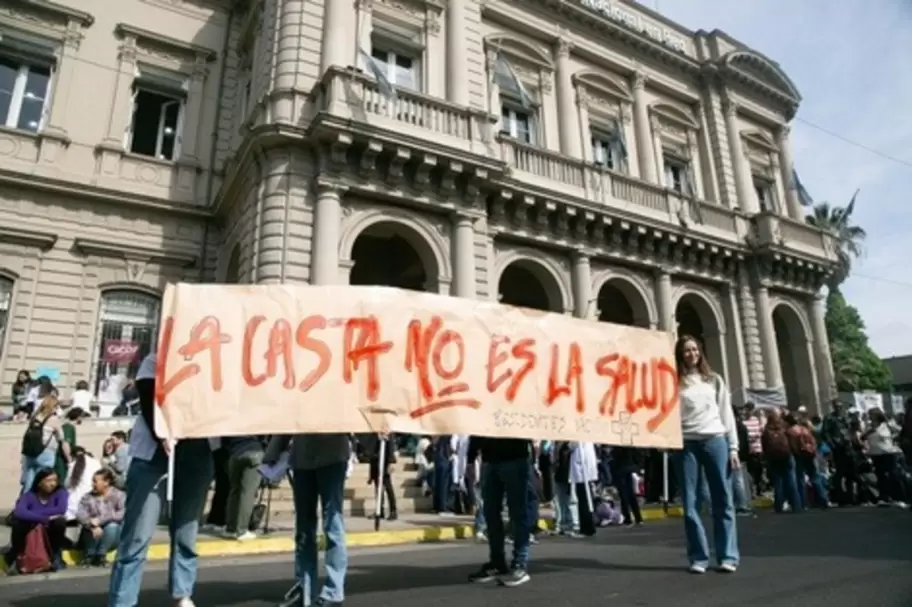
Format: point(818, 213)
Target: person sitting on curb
point(42, 508)
point(319, 463)
point(100, 514)
point(148, 467)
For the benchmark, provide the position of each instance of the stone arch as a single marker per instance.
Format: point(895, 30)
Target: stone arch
point(760, 68)
point(232, 274)
point(699, 314)
point(546, 271)
point(604, 83)
point(794, 347)
point(516, 46)
point(636, 295)
point(427, 242)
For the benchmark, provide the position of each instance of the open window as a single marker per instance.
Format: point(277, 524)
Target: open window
point(766, 197)
point(159, 102)
point(678, 175)
point(608, 147)
point(26, 70)
point(518, 122)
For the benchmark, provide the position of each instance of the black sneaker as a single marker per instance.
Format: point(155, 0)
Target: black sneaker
point(516, 577)
point(487, 573)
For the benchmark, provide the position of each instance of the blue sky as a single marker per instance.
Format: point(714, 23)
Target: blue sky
point(852, 62)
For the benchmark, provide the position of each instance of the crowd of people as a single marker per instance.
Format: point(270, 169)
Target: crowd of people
point(729, 456)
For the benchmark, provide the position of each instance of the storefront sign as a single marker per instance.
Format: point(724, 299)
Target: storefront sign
point(286, 359)
point(120, 351)
point(618, 13)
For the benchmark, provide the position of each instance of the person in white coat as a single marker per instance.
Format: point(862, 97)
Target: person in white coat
point(583, 471)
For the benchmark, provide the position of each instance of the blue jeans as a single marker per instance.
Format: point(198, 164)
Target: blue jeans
point(711, 456)
point(567, 510)
point(480, 524)
point(806, 467)
point(32, 465)
point(785, 486)
point(193, 474)
point(443, 481)
point(740, 489)
point(510, 479)
point(101, 546)
point(326, 486)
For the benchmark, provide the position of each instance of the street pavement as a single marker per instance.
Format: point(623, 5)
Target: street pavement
point(839, 558)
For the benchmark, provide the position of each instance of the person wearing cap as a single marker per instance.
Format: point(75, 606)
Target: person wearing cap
point(149, 454)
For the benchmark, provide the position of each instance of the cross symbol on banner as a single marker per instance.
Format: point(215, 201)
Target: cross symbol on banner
point(625, 429)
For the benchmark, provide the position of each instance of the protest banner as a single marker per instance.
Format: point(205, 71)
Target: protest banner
point(282, 359)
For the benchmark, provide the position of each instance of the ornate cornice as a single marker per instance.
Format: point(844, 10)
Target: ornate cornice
point(38, 239)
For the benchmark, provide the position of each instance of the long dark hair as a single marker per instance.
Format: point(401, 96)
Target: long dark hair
point(702, 366)
point(79, 466)
point(39, 478)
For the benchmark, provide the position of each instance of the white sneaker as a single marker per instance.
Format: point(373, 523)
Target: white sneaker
point(185, 602)
point(246, 536)
point(481, 537)
point(696, 569)
point(728, 568)
point(900, 504)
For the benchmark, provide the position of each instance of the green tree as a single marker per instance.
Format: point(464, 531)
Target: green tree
point(855, 364)
point(849, 238)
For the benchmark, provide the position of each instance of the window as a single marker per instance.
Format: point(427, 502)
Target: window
point(401, 68)
point(6, 300)
point(158, 115)
point(676, 176)
point(128, 330)
point(244, 101)
point(517, 123)
point(765, 197)
point(24, 92)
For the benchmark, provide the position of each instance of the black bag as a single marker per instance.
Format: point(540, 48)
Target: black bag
point(33, 440)
point(258, 515)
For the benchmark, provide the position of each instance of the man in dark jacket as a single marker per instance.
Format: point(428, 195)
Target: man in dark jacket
point(507, 472)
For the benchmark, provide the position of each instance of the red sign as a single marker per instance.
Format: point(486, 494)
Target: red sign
point(120, 351)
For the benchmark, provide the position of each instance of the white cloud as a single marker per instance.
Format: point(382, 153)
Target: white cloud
point(850, 60)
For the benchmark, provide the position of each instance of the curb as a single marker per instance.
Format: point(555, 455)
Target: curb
point(363, 539)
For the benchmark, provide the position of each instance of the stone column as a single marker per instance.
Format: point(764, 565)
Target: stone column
point(463, 243)
point(787, 166)
point(696, 164)
point(566, 108)
point(664, 303)
point(768, 337)
point(582, 286)
point(654, 128)
point(739, 377)
point(779, 188)
point(826, 378)
point(339, 36)
point(744, 186)
point(196, 92)
point(63, 81)
point(457, 85)
point(327, 225)
point(582, 108)
point(710, 182)
point(493, 90)
point(365, 26)
point(122, 107)
point(644, 146)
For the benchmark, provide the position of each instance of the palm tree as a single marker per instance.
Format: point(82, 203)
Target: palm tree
point(849, 238)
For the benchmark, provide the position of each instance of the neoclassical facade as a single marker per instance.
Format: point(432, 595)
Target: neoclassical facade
point(584, 157)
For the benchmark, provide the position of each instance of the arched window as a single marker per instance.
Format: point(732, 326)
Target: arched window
point(6, 304)
point(127, 332)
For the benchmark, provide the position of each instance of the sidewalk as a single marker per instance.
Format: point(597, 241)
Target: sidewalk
point(412, 529)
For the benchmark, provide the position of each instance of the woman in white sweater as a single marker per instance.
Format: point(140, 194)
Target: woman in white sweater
point(710, 451)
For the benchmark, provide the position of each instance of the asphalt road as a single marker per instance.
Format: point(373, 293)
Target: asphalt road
point(840, 558)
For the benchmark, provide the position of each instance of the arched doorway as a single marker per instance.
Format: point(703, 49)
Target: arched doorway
point(793, 344)
point(233, 267)
point(390, 254)
point(619, 302)
point(127, 332)
point(528, 284)
point(694, 316)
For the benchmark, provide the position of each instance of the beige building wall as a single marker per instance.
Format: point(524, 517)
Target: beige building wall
point(279, 150)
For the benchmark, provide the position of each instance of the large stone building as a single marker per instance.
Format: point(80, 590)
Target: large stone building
point(639, 174)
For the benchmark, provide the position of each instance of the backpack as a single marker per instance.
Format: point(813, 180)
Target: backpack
point(806, 443)
point(33, 443)
point(36, 552)
point(776, 444)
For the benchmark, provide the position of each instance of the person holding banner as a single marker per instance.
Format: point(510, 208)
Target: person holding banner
point(148, 467)
point(319, 464)
point(710, 451)
point(506, 472)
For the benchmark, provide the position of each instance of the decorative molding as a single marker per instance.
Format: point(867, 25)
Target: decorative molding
point(638, 81)
point(563, 47)
point(199, 9)
point(30, 238)
point(164, 46)
point(52, 12)
point(134, 252)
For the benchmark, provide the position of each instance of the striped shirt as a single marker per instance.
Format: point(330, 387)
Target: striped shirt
point(754, 432)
